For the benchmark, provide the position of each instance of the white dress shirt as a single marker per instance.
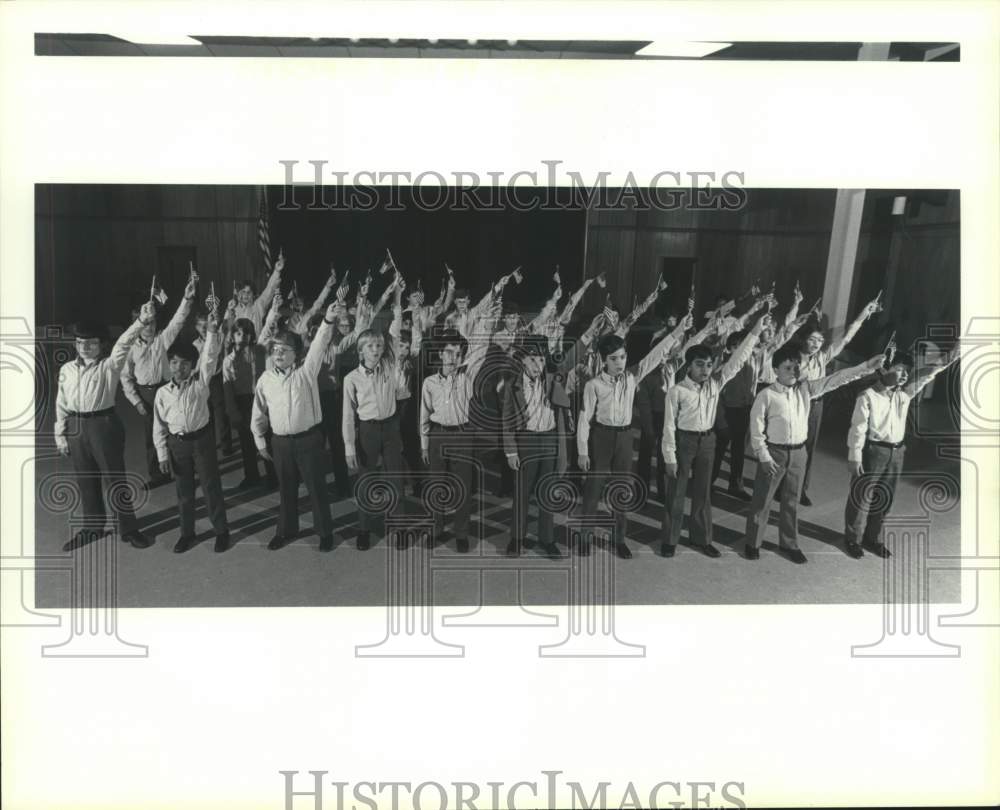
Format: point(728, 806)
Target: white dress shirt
point(780, 413)
point(85, 387)
point(288, 400)
point(183, 408)
point(609, 399)
point(147, 360)
point(692, 406)
point(541, 417)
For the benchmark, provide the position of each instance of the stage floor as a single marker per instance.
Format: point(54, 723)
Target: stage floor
point(248, 575)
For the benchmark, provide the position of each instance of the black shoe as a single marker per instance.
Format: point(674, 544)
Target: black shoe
point(221, 542)
point(622, 551)
point(184, 544)
point(739, 493)
point(155, 481)
point(710, 551)
point(277, 542)
point(80, 539)
point(326, 543)
point(667, 550)
point(854, 550)
point(513, 547)
point(752, 553)
point(878, 548)
point(804, 500)
point(794, 555)
point(550, 551)
point(364, 541)
point(462, 545)
point(137, 539)
point(249, 483)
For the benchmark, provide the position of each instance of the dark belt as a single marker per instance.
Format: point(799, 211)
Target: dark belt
point(150, 385)
point(313, 429)
point(192, 435)
point(695, 432)
point(378, 421)
point(890, 445)
point(88, 414)
point(612, 427)
point(798, 446)
point(450, 428)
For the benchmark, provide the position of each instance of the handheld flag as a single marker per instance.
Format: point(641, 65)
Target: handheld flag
point(555, 276)
point(517, 275)
point(392, 261)
point(156, 294)
point(610, 313)
point(890, 349)
point(602, 280)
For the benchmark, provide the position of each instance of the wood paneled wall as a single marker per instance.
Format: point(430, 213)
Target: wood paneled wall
point(780, 235)
point(96, 246)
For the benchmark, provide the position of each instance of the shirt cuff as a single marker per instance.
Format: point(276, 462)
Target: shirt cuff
point(161, 455)
point(854, 456)
point(670, 456)
point(511, 455)
point(763, 456)
point(261, 443)
point(61, 442)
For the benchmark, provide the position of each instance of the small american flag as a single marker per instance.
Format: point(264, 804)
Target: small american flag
point(610, 313)
point(264, 232)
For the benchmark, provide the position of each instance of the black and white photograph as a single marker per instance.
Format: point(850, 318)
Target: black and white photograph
point(477, 405)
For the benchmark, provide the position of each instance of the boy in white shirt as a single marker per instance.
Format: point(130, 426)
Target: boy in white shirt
point(779, 426)
point(875, 453)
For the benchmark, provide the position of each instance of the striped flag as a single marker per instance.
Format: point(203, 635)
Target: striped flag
point(264, 232)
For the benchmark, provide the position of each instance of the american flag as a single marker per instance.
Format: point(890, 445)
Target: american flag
point(610, 313)
point(263, 232)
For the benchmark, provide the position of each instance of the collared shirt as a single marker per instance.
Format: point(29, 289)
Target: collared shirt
point(541, 417)
point(814, 365)
point(147, 360)
point(879, 416)
point(445, 400)
point(241, 368)
point(288, 400)
point(256, 312)
point(368, 394)
point(780, 413)
point(85, 387)
point(693, 406)
point(609, 399)
point(183, 408)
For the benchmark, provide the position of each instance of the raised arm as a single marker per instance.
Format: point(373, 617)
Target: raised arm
point(443, 303)
point(625, 326)
point(120, 351)
point(567, 314)
point(480, 346)
point(317, 306)
point(655, 355)
point(917, 384)
point(547, 313)
point(824, 385)
point(742, 355)
point(272, 319)
point(173, 329)
point(837, 346)
point(264, 299)
point(211, 352)
point(317, 349)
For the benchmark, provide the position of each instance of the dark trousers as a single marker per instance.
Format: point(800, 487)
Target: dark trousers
point(410, 433)
point(454, 451)
point(220, 419)
point(301, 459)
point(332, 405)
point(611, 452)
point(97, 450)
point(649, 447)
point(792, 465)
point(248, 450)
point(734, 437)
point(147, 393)
point(695, 455)
point(190, 456)
point(870, 498)
point(375, 441)
point(538, 454)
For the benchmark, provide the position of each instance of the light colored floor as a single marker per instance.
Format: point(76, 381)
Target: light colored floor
point(299, 575)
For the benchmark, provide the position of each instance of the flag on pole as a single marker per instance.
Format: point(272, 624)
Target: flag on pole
point(555, 277)
point(610, 313)
point(264, 232)
point(602, 280)
point(157, 294)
